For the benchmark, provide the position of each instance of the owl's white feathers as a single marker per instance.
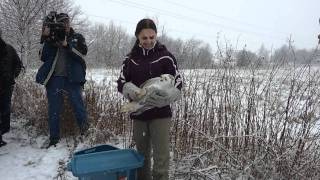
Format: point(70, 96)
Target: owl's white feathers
point(165, 83)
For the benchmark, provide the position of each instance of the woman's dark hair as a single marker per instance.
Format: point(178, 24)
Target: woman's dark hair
point(143, 24)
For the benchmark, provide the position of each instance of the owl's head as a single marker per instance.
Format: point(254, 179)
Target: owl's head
point(167, 78)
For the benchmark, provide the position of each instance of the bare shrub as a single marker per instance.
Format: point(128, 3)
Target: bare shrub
point(249, 122)
point(252, 122)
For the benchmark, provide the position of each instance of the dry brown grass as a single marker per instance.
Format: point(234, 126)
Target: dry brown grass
point(230, 122)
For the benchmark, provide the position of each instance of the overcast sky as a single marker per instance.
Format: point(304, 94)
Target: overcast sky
point(239, 22)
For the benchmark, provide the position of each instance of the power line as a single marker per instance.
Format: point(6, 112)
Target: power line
point(198, 21)
point(168, 29)
point(175, 30)
point(220, 17)
point(191, 19)
point(211, 37)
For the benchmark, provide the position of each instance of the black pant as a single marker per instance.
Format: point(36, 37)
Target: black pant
point(5, 108)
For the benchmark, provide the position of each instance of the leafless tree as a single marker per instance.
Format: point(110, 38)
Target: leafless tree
point(110, 45)
point(21, 22)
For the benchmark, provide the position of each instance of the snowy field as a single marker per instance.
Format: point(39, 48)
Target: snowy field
point(24, 159)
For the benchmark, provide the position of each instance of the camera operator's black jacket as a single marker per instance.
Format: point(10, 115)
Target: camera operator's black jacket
point(10, 65)
point(76, 66)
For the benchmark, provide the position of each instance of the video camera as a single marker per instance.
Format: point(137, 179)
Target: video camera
point(57, 27)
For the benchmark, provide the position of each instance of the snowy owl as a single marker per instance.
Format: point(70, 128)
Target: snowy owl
point(165, 82)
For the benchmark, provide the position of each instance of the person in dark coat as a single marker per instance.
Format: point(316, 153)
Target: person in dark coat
point(63, 71)
point(10, 67)
point(150, 59)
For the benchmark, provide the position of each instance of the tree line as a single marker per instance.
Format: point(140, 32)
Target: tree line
point(21, 23)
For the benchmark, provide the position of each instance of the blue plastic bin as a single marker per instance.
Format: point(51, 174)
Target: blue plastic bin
point(105, 162)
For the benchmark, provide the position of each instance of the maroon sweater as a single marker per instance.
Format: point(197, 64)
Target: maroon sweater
point(141, 65)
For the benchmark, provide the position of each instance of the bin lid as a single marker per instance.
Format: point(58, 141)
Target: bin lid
point(99, 148)
point(108, 161)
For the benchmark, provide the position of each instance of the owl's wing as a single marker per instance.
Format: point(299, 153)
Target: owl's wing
point(150, 82)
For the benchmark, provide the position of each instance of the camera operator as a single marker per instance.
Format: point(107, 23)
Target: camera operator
point(63, 70)
point(10, 67)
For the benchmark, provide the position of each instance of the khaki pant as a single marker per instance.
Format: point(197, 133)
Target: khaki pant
point(153, 133)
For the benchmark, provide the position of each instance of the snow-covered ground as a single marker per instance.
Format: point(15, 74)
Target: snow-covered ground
point(24, 159)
